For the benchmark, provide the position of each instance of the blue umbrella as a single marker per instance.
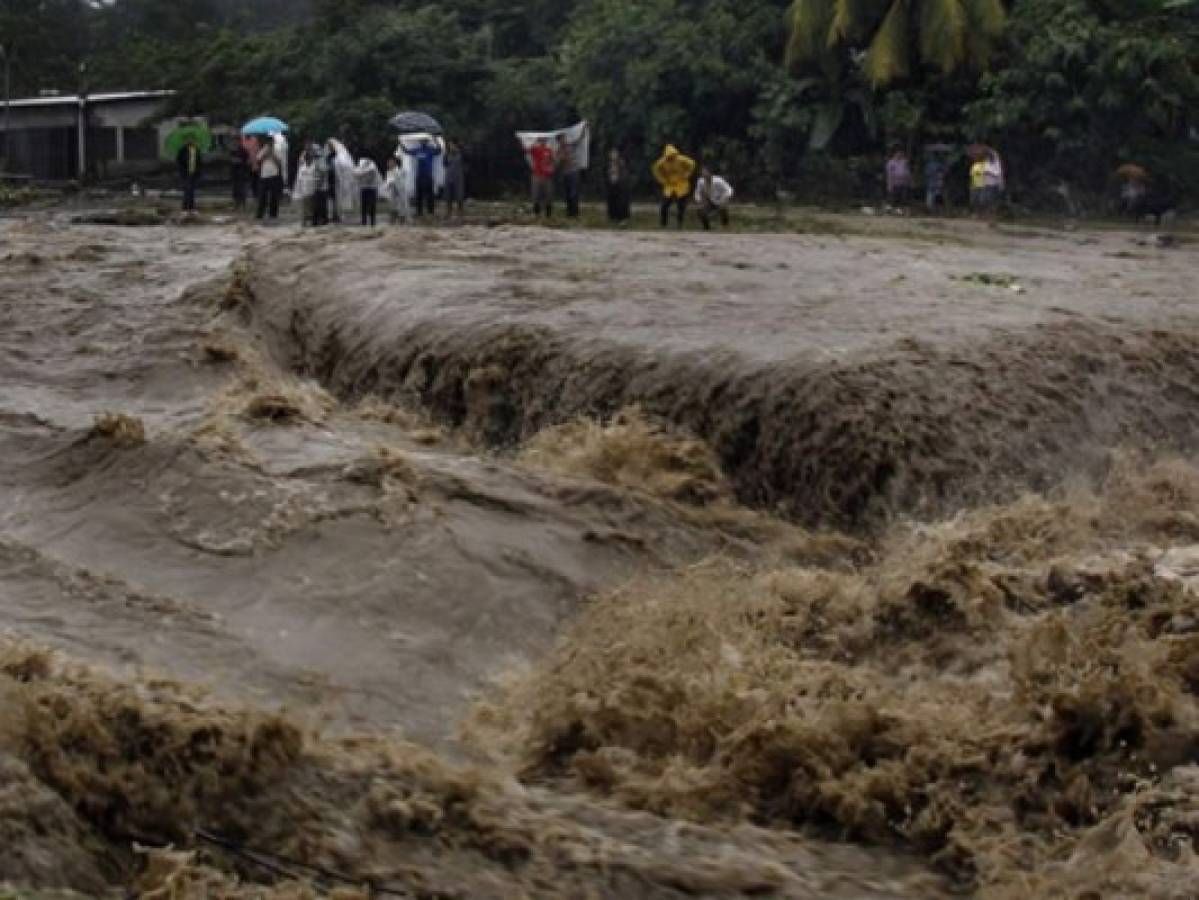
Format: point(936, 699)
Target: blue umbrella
point(264, 125)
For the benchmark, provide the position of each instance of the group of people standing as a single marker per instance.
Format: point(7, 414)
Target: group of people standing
point(674, 172)
point(257, 168)
point(987, 182)
point(328, 182)
point(561, 162)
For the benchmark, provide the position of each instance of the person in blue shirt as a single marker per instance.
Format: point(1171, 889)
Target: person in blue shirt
point(425, 155)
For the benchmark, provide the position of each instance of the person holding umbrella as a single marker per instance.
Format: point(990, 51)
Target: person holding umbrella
point(270, 179)
point(270, 168)
point(428, 152)
point(190, 162)
point(185, 146)
point(425, 154)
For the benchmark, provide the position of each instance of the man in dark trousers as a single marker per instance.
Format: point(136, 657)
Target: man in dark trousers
point(190, 163)
point(239, 174)
point(425, 155)
point(568, 171)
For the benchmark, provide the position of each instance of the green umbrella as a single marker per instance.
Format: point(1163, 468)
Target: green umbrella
point(175, 141)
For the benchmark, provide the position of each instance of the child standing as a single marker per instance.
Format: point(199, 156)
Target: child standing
point(395, 188)
point(305, 189)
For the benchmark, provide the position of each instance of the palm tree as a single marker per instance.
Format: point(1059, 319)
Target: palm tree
point(941, 34)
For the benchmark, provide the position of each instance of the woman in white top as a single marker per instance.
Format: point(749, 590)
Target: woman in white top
point(270, 179)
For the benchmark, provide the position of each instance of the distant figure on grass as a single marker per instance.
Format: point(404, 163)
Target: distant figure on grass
point(455, 180)
point(899, 178)
point(270, 179)
point(712, 198)
point(934, 182)
point(239, 174)
point(395, 189)
point(305, 188)
point(994, 179)
point(1134, 181)
point(673, 172)
point(987, 180)
point(190, 164)
point(1144, 197)
point(425, 155)
point(978, 186)
point(568, 172)
point(617, 178)
point(541, 164)
point(369, 183)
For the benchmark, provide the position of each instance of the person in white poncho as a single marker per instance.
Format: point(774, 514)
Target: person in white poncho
point(395, 189)
point(369, 182)
point(304, 189)
point(343, 184)
point(712, 197)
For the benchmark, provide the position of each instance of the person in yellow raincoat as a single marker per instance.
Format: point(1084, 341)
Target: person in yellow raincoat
point(673, 171)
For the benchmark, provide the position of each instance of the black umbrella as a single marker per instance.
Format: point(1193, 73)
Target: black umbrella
point(416, 123)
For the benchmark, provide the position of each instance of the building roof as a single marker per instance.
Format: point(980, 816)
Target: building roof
point(92, 99)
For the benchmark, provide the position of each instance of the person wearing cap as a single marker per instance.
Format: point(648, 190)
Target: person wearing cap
point(673, 172)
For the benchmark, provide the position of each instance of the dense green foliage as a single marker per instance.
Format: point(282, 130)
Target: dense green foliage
point(1087, 84)
point(798, 95)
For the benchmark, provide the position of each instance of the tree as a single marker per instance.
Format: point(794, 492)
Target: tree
point(1083, 85)
point(46, 41)
point(886, 36)
point(651, 72)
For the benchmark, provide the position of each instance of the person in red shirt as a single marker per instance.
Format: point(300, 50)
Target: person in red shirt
point(542, 163)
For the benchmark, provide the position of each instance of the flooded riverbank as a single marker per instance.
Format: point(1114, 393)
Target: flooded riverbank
point(810, 566)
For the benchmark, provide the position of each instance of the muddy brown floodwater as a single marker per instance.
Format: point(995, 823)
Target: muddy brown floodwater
point(510, 562)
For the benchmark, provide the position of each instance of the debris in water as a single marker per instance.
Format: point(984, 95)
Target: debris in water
point(123, 430)
point(630, 451)
point(991, 279)
point(941, 698)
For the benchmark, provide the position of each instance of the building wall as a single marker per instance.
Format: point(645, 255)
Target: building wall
point(43, 139)
point(48, 154)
